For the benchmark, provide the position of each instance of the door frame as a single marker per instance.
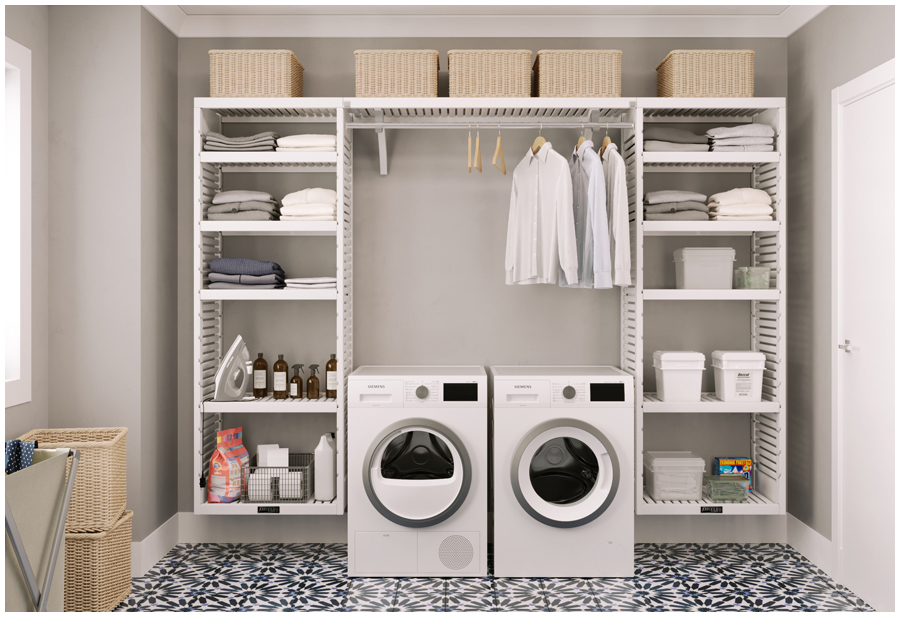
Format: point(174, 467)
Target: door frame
point(868, 83)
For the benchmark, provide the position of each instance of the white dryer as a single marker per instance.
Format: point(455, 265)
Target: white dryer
point(417, 500)
point(563, 471)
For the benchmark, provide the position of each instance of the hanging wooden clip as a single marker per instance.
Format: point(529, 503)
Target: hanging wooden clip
point(538, 141)
point(477, 149)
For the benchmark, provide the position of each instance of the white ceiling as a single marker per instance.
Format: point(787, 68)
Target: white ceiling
point(498, 21)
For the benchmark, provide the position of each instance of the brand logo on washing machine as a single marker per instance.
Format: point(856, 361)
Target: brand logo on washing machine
point(528, 387)
point(376, 385)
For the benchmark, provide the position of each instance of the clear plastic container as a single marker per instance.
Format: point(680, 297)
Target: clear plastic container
point(703, 268)
point(679, 375)
point(673, 476)
point(726, 488)
point(752, 278)
point(738, 375)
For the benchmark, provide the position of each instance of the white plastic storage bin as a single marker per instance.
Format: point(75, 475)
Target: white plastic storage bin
point(704, 268)
point(673, 476)
point(738, 375)
point(679, 375)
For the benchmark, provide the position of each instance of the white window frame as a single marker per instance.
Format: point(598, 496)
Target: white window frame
point(18, 58)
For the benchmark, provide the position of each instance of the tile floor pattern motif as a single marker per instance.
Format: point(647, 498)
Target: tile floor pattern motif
point(313, 577)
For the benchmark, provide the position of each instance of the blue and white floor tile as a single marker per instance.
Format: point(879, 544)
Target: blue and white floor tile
point(313, 577)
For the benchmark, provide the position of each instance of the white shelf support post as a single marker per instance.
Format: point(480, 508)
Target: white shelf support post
point(382, 142)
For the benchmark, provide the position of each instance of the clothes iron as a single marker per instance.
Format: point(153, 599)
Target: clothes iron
point(234, 373)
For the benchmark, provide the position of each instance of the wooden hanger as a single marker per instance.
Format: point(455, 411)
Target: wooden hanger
point(606, 141)
point(478, 150)
point(581, 140)
point(498, 151)
point(470, 151)
point(538, 141)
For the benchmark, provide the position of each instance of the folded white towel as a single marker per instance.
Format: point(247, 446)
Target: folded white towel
point(310, 196)
point(309, 209)
point(664, 197)
point(316, 286)
point(741, 130)
point(769, 148)
point(228, 197)
point(668, 146)
point(744, 141)
point(740, 196)
point(741, 209)
point(312, 280)
point(741, 217)
point(305, 141)
point(309, 149)
point(310, 217)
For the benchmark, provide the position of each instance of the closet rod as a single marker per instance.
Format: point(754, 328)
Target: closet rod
point(493, 125)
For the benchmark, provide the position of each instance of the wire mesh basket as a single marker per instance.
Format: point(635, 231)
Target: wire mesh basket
point(291, 484)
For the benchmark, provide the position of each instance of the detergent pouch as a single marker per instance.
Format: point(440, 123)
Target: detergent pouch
point(225, 475)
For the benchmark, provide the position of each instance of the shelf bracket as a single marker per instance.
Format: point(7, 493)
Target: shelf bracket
point(589, 132)
point(382, 141)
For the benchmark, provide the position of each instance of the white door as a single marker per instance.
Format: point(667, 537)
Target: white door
point(863, 114)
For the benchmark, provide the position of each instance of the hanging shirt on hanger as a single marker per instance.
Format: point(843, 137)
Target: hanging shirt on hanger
point(617, 207)
point(540, 237)
point(591, 225)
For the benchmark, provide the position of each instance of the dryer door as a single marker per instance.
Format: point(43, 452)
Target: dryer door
point(417, 473)
point(565, 473)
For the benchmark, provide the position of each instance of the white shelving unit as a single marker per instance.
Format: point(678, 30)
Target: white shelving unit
point(210, 306)
point(765, 171)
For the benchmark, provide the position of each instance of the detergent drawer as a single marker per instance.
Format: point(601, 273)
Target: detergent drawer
point(376, 393)
point(386, 552)
point(527, 393)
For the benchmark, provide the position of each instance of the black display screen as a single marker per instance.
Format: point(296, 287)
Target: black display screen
point(607, 392)
point(461, 392)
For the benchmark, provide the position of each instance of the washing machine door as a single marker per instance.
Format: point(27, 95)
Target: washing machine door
point(565, 473)
point(417, 473)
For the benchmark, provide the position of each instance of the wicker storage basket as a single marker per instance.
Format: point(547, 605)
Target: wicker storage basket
point(255, 72)
point(397, 72)
point(98, 498)
point(578, 72)
point(706, 72)
point(490, 72)
point(98, 567)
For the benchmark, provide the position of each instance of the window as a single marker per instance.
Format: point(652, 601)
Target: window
point(16, 228)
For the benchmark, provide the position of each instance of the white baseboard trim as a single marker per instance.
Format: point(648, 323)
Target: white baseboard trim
point(811, 544)
point(244, 529)
point(145, 554)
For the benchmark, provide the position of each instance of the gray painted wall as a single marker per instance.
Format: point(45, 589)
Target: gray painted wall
point(28, 26)
point(428, 250)
point(840, 44)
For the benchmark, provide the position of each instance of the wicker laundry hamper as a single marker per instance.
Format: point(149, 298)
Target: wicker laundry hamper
point(98, 498)
point(255, 73)
point(489, 72)
point(578, 73)
point(98, 567)
point(397, 72)
point(706, 73)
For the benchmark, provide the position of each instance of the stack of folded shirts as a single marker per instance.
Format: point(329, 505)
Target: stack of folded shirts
point(321, 282)
point(675, 206)
point(307, 143)
point(242, 273)
point(742, 138)
point(261, 142)
point(662, 139)
point(741, 205)
point(243, 206)
point(310, 205)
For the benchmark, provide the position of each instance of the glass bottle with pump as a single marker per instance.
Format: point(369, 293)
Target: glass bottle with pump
point(297, 382)
point(331, 377)
point(260, 377)
point(312, 384)
point(280, 378)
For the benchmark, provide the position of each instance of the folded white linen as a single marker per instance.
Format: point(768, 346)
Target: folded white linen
point(663, 197)
point(673, 135)
point(740, 196)
point(668, 146)
point(741, 130)
point(741, 209)
point(303, 141)
point(744, 141)
point(309, 210)
point(228, 197)
point(741, 217)
point(310, 217)
point(310, 196)
point(311, 280)
point(309, 149)
point(314, 286)
point(769, 148)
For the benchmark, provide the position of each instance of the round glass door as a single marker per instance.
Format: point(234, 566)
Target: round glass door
point(565, 473)
point(417, 473)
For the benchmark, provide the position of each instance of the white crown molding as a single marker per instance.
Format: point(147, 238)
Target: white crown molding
point(484, 26)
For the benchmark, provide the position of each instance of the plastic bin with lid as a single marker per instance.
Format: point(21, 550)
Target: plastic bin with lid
point(673, 476)
point(738, 375)
point(679, 375)
point(726, 488)
point(703, 268)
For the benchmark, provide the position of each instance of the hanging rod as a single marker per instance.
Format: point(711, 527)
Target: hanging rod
point(378, 126)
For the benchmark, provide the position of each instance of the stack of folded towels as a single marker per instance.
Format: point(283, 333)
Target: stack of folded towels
point(261, 142)
point(742, 138)
point(307, 143)
point(310, 205)
point(675, 206)
point(242, 273)
point(741, 205)
point(243, 206)
point(662, 139)
point(320, 282)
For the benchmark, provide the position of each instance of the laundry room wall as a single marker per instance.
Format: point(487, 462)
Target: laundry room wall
point(429, 242)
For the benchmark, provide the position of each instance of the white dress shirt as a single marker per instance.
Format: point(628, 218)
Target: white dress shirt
point(617, 206)
point(540, 237)
point(591, 225)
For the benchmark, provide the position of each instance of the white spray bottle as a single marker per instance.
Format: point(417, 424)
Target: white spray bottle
point(325, 478)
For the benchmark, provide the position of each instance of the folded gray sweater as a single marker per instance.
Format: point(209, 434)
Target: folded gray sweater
point(686, 215)
point(243, 206)
point(662, 197)
point(677, 136)
point(239, 286)
point(220, 137)
point(250, 215)
point(668, 146)
point(677, 206)
point(246, 279)
point(741, 130)
point(214, 148)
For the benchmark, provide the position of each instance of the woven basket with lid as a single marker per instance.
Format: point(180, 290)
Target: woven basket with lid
point(255, 73)
point(397, 72)
point(98, 568)
point(489, 72)
point(706, 73)
point(578, 73)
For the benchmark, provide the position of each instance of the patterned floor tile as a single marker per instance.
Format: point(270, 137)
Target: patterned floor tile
point(419, 602)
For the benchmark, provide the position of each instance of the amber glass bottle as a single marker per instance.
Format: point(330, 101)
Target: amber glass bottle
point(331, 377)
point(297, 382)
point(260, 377)
point(312, 384)
point(280, 378)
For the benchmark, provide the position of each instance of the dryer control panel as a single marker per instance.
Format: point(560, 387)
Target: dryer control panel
point(459, 388)
point(562, 387)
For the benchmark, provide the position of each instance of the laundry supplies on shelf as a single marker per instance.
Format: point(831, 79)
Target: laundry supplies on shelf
point(675, 205)
point(314, 204)
point(734, 466)
point(260, 376)
point(233, 374)
point(664, 139)
point(312, 384)
point(307, 143)
point(325, 478)
point(741, 204)
point(704, 267)
point(242, 206)
point(288, 479)
point(261, 142)
point(742, 138)
point(243, 273)
point(679, 375)
point(280, 378)
point(591, 220)
point(225, 466)
point(296, 387)
point(673, 476)
point(720, 489)
point(739, 375)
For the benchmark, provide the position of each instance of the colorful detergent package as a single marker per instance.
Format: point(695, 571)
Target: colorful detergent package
point(728, 466)
point(225, 476)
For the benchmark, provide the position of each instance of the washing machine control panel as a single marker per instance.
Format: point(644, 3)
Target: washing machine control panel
point(577, 392)
point(427, 391)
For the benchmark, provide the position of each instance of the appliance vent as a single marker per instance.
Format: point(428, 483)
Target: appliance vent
point(456, 552)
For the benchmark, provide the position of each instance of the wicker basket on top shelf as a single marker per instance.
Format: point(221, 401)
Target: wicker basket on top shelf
point(706, 73)
point(578, 73)
point(255, 73)
point(489, 72)
point(397, 72)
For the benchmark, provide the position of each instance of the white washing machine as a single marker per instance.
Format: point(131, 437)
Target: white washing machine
point(417, 500)
point(563, 471)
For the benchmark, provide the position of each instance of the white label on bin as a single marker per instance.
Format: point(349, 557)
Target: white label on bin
point(743, 384)
point(259, 379)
